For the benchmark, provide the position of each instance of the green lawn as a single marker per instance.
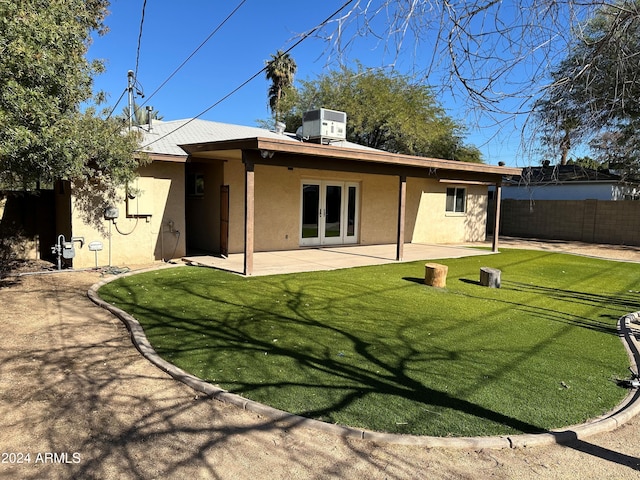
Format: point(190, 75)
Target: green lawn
point(375, 348)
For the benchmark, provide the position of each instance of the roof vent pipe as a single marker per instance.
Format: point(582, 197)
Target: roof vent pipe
point(280, 128)
point(149, 116)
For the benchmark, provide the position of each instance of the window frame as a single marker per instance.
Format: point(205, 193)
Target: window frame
point(195, 184)
point(457, 194)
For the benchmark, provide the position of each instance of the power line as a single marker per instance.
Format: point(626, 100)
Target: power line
point(116, 105)
point(144, 7)
point(135, 77)
point(254, 76)
point(215, 30)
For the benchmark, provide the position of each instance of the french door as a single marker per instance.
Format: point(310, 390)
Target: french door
point(329, 214)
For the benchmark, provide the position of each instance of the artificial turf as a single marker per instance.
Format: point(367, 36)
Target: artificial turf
point(375, 348)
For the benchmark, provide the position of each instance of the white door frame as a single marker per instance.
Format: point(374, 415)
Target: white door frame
point(349, 214)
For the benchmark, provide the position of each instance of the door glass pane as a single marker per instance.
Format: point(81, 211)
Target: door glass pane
point(310, 209)
point(351, 212)
point(333, 211)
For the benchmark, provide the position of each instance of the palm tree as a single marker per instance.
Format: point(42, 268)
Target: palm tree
point(280, 71)
point(140, 115)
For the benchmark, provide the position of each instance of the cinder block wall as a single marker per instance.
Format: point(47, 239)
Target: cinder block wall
point(592, 221)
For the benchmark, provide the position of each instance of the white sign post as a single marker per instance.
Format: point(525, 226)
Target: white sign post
point(95, 247)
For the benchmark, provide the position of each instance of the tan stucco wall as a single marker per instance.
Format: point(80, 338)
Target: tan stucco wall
point(379, 210)
point(278, 204)
point(277, 215)
point(277, 207)
point(161, 193)
point(278, 198)
point(428, 222)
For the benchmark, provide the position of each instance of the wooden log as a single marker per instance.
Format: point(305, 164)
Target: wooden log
point(490, 277)
point(435, 275)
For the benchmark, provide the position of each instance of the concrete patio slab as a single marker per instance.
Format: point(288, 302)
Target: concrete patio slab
point(332, 258)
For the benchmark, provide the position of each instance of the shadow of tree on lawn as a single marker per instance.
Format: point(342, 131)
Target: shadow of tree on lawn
point(352, 379)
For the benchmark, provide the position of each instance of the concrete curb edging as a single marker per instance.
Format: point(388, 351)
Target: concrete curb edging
point(626, 410)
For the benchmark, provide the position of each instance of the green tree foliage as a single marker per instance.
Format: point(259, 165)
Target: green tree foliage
point(280, 71)
point(586, 162)
point(45, 78)
point(593, 99)
point(387, 112)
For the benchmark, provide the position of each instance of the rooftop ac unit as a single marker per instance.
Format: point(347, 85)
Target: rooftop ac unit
point(324, 125)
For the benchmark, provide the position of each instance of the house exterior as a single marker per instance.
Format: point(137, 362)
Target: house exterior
point(568, 182)
point(219, 188)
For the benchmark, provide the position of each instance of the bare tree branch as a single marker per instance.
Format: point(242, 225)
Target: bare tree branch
point(496, 53)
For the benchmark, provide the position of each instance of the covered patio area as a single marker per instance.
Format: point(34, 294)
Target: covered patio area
point(278, 194)
point(332, 258)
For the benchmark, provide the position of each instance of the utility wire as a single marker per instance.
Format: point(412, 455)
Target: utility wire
point(254, 76)
point(135, 76)
point(215, 30)
point(144, 7)
point(116, 105)
point(181, 65)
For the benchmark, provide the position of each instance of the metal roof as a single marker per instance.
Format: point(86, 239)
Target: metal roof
point(165, 138)
point(206, 139)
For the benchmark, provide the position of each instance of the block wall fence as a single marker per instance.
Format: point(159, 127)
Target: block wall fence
point(591, 221)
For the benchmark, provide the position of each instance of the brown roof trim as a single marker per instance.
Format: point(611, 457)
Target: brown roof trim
point(163, 157)
point(356, 154)
point(464, 182)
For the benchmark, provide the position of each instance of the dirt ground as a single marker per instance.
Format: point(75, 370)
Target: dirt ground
point(77, 400)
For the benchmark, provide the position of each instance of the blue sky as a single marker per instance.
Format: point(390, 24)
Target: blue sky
point(173, 30)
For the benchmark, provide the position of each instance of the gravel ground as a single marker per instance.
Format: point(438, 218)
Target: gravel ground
point(613, 252)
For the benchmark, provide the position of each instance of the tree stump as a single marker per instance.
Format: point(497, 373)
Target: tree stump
point(435, 275)
point(490, 277)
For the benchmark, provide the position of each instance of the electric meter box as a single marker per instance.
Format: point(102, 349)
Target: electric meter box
point(111, 213)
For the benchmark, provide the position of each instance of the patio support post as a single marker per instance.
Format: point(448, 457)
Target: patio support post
point(402, 199)
point(249, 213)
point(496, 217)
